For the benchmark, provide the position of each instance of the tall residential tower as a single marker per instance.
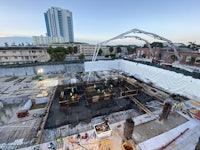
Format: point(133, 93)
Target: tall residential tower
point(59, 23)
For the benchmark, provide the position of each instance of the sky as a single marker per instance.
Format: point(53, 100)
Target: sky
point(99, 20)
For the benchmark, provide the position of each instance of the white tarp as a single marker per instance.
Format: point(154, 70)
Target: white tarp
point(170, 81)
point(27, 106)
point(41, 100)
point(101, 65)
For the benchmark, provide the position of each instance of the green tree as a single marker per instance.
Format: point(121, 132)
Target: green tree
point(193, 46)
point(145, 46)
point(81, 56)
point(70, 50)
point(157, 44)
point(119, 50)
point(57, 54)
point(192, 60)
point(75, 49)
point(144, 55)
point(100, 52)
point(130, 50)
point(113, 56)
point(59, 49)
point(111, 49)
point(173, 57)
point(6, 44)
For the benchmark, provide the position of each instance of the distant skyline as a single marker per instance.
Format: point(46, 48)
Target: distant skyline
point(95, 21)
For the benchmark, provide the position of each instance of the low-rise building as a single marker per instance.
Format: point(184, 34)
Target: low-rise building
point(88, 49)
point(20, 55)
point(189, 57)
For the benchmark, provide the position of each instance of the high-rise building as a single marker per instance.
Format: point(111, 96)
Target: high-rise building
point(59, 23)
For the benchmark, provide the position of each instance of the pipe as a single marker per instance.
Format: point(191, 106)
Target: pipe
point(165, 146)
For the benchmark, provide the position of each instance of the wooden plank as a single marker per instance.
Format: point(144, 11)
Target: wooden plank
point(38, 141)
point(196, 103)
point(141, 106)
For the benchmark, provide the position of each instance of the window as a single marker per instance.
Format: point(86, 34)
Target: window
point(6, 57)
point(188, 59)
point(197, 60)
point(14, 51)
point(15, 57)
point(4, 52)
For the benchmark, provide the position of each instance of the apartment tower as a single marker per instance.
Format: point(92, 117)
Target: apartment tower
point(59, 23)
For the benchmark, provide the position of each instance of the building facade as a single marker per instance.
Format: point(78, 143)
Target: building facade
point(20, 55)
point(189, 57)
point(88, 49)
point(59, 23)
point(47, 41)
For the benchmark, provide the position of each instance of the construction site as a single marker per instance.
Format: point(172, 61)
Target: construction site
point(100, 105)
point(102, 109)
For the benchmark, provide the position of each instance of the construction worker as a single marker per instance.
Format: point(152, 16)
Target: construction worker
point(71, 94)
point(72, 140)
point(98, 90)
point(73, 98)
point(111, 86)
point(182, 106)
point(175, 106)
point(106, 120)
point(105, 82)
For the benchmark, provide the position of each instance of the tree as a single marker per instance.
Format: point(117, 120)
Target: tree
point(193, 46)
point(157, 44)
point(174, 58)
point(130, 50)
point(144, 55)
point(113, 56)
point(57, 54)
point(70, 50)
point(119, 49)
point(81, 56)
point(100, 52)
point(192, 60)
point(75, 49)
point(6, 44)
point(111, 49)
point(145, 46)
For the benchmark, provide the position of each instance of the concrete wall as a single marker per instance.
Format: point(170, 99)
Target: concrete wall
point(170, 81)
point(23, 71)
